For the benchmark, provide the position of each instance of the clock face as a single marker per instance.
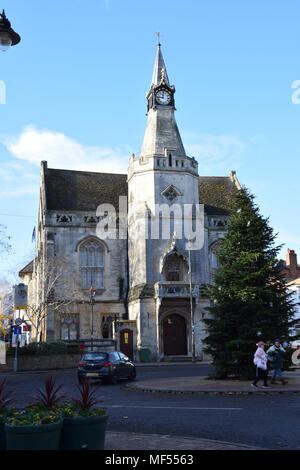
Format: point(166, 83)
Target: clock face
point(163, 97)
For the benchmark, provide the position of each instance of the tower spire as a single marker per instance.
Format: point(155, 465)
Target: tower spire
point(159, 67)
point(162, 135)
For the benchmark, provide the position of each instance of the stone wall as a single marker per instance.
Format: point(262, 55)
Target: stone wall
point(55, 361)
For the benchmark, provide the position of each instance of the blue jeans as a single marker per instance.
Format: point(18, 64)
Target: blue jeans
point(277, 372)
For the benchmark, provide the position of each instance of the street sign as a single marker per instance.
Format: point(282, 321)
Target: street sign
point(20, 297)
point(18, 321)
point(17, 330)
point(2, 352)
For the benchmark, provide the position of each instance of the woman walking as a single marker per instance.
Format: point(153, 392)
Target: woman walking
point(260, 360)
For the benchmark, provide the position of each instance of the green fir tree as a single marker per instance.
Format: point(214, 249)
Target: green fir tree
point(249, 301)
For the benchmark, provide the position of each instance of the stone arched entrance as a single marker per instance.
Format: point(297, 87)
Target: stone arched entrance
point(174, 335)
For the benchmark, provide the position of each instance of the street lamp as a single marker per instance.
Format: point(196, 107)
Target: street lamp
point(191, 306)
point(8, 37)
point(92, 302)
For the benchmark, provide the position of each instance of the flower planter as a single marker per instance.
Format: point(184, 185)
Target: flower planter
point(84, 433)
point(2, 434)
point(39, 437)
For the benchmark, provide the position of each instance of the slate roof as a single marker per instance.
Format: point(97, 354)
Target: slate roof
point(27, 269)
point(216, 193)
point(68, 190)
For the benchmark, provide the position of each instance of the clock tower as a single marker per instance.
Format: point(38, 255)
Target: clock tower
point(161, 93)
point(162, 183)
point(162, 135)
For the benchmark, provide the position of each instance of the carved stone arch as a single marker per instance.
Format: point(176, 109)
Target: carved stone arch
point(92, 238)
point(183, 311)
point(173, 250)
point(175, 268)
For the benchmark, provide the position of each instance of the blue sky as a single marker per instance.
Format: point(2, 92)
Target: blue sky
point(76, 85)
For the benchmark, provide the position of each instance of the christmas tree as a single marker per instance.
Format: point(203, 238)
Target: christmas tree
point(249, 301)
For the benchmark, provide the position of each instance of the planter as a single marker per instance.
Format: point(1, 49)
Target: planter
point(2, 434)
point(40, 437)
point(84, 433)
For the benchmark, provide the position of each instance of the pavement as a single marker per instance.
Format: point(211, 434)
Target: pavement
point(134, 441)
point(195, 384)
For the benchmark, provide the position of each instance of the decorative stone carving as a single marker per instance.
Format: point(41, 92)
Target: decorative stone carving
point(91, 219)
point(218, 222)
point(175, 289)
point(172, 249)
point(64, 219)
point(171, 193)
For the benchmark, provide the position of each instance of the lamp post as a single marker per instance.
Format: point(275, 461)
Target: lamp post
point(191, 305)
point(8, 37)
point(92, 302)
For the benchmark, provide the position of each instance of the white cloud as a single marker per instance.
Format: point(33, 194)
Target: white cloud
point(34, 145)
point(17, 180)
point(20, 174)
point(215, 153)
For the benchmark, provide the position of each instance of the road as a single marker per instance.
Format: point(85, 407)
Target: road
point(264, 421)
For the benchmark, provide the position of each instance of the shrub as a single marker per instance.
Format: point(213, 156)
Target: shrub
point(49, 397)
point(46, 348)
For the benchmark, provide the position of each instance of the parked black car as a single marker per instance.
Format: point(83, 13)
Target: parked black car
point(109, 367)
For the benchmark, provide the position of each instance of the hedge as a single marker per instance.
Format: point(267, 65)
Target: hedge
point(46, 348)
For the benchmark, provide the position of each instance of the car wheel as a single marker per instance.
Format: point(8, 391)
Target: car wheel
point(132, 375)
point(114, 379)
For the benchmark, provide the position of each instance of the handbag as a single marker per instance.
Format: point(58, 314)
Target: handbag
point(261, 363)
point(271, 358)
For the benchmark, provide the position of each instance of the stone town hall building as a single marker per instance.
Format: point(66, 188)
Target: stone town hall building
point(143, 291)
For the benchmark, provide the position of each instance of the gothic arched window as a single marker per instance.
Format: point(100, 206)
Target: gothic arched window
point(213, 260)
point(69, 329)
point(173, 270)
point(91, 264)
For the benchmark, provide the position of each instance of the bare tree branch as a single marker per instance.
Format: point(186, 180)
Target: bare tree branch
point(5, 246)
point(55, 289)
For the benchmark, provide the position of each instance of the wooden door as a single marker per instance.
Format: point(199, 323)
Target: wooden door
point(126, 342)
point(174, 335)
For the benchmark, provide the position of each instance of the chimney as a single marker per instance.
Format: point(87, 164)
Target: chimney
point(291, 263)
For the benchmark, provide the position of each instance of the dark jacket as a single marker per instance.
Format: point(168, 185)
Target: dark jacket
point(277, 354)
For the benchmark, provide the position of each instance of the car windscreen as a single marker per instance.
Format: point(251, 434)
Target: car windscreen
point(95, 357)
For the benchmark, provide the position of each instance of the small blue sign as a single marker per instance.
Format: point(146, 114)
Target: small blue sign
point(17, 330)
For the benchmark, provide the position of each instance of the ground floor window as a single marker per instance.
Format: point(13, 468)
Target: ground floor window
point(69, 329)
point(106, 327)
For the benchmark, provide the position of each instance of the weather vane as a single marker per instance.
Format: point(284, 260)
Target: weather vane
point(158, 36)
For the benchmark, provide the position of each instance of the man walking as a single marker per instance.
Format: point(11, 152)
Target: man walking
point(275, 354)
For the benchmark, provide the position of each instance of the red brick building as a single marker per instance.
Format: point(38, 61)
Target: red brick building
point(289, 268)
